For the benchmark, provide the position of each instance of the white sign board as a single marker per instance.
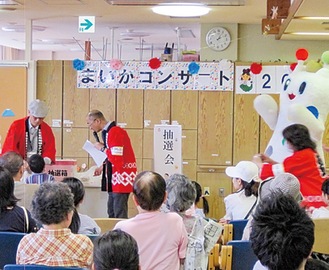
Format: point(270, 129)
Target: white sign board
point(86, 24)
point(167, 149)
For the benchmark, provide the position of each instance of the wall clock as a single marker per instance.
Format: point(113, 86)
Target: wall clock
point(218, 38)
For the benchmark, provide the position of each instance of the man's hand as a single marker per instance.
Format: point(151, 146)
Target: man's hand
point(98, 171)
point(98, 145)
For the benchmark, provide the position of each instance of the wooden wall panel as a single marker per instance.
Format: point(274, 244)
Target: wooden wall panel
point(148, 146)
point(148, 164)
point(13, 90)
point(73, 140)
point(215, 126)
point(189, 144)
point(49, 87)
point(215, 181)
point(156, 107)
point(184, 108)
point(130, 107)
point(75, 100)
point(136, 138)
point(103, 100)
point(189, 168)
point(246, 128)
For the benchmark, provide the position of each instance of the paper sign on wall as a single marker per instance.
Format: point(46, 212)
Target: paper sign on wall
point(167, 149)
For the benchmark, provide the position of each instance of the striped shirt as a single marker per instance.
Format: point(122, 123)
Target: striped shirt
point(39, 178)
point(55, 248)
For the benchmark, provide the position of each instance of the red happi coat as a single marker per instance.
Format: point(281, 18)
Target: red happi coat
point(16, 139)
point(121, 155)
point(307, 166)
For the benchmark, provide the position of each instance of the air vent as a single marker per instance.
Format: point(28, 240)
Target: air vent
point(156, 2)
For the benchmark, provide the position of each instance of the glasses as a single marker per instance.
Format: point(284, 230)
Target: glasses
point(90, 124)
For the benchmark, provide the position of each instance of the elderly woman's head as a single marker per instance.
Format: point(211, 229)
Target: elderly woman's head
point(181, 193)
point(52, 203)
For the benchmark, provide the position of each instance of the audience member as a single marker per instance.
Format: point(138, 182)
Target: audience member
point(323, 211)
point(240, 204)
point(14, 163)
point(202, 212)
point(305, 163)
point(80, 223)
point(286, 183)
point(13, 218)
point(203, 234)
point(282, 233)
point(161, 237)
point(116, 250)
point(54, 244)
point(37, 165)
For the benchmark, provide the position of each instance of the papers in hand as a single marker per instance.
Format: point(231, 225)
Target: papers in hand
point(97, 155)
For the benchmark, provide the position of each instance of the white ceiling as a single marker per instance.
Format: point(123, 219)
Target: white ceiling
point(60, 19)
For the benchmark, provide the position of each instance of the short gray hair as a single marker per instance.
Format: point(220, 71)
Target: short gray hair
point(181, 193)
point(52, 202)
point(12, 161)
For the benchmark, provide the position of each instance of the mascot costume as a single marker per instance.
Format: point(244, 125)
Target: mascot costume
point(304, 99)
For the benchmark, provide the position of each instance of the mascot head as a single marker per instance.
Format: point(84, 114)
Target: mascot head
point(310, 89)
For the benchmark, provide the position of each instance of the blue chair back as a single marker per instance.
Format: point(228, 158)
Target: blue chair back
point(9, 243)
point(39, 267)
point(92, 236)
point(238, 227)
point(243, 257)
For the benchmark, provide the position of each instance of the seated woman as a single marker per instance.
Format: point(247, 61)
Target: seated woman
point(13, 218)
point(240, 204)
point(108, 251)
point(80, 223)
point(202, 234)
point(54, 244)
point(305, 163)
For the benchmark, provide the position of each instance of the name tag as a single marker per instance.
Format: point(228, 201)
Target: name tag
point(117, 151)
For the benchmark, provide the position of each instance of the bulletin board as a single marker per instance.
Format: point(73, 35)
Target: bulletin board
point(13, 88)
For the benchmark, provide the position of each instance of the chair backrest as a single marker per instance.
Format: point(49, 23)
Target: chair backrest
point(107, 224)
point(9, 243)
point(238, 255)
point(92, 236)
point(39, 267)
point(321, 235)
point(238, 227)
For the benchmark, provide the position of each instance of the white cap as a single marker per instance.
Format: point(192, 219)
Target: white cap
point(38, 108)
point(245, 170)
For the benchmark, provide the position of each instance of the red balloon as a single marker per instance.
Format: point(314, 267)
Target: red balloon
point(154, 63)
point(256, 68)
point(301, 54)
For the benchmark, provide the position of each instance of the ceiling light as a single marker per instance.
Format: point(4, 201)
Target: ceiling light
point(130, 33)
point(308, 33)
point(8, 3)
point(21, 28)
point(311, 18)
point(181, 9)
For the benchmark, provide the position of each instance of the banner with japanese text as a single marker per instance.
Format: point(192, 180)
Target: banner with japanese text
point(214, 76)
point(168, 149)
point(269, 81)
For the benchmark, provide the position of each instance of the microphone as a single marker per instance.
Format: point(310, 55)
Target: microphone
point(96, 136)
